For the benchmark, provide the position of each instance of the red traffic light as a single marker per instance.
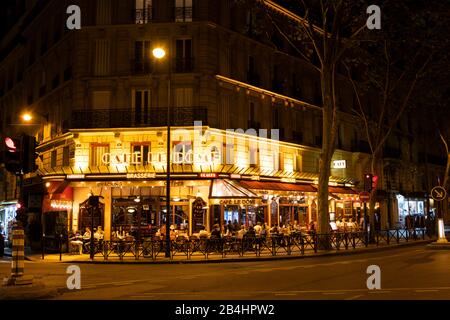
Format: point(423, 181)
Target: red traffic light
point(374, 182)
point(10, 144)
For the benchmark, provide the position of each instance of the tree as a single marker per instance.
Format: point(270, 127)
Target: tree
point(321, 32)
point(398, 76)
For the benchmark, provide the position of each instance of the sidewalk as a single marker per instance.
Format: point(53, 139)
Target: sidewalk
point(248, 257)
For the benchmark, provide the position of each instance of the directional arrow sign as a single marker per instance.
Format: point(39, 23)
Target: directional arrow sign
point(438, 193)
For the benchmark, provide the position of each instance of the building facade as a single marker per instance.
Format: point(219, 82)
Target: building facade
point(101, 99)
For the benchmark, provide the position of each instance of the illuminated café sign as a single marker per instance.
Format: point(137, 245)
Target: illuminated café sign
point(289, 180)
point(178, 157)
point(255, 178)
point(339, 164)
point(208, 175)
point(141, 175)
point(238, 201)
point(75, 176)
point(235, 176)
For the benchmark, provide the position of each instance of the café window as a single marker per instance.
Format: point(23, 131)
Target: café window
point(142, 149)
point(97, 152)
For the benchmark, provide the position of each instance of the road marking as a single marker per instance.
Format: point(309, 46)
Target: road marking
point(330, 293)
point(124, 283)
point(355, 297)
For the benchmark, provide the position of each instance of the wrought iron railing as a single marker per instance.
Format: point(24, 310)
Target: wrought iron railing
point(141, 66)
point(232, 247)
point(183, 14)
point(183, 65)
point(127, 118)
point(142, 16)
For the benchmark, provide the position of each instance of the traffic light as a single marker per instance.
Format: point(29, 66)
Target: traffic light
point(29, 154)
point(374, 182)
point(368, 182)
point(12, 154)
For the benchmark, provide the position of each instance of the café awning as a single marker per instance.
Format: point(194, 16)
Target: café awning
point(341, 190)
point(279, 186)
point(222, 188)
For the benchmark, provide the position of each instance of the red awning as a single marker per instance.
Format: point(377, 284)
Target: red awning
point(280, 186)
point(344, 190)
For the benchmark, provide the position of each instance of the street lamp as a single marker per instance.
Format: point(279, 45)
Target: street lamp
point(160, 53)
point(27, 117)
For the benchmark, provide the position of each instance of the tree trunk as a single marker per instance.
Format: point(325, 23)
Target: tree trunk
point(375, 172)
point(328, 145)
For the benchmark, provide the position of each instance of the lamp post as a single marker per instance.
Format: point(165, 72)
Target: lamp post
point(159, 54)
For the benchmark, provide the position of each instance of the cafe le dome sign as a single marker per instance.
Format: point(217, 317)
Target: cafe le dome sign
point(207, 156)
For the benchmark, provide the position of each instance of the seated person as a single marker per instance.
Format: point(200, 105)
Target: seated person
point(215, 234)
point(75, 242)
point(241, 232)
point(173, 233)
point(258, 228)
point(203, 233)
point(274, 229)
point(87, 234)
point(251, 232)
point(99, 234)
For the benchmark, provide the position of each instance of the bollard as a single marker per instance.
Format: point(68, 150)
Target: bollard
point(18, 260)
point(60, 247)
point(43, 245)
point(18, 254)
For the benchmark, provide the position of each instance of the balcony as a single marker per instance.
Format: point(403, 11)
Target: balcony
point(183, 65)
point(128, 118)
point(142, 16)
point(141, 66)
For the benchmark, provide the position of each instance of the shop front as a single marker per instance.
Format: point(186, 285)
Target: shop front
point(211, 182)
point(7, 218)
point(411, 210)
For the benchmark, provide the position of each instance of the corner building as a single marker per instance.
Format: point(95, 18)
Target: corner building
point(103, 103)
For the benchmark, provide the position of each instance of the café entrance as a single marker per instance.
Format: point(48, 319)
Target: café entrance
point(290, 213)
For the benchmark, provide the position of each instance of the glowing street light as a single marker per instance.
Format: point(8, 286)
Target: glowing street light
point(27, 117)
point(159, 53)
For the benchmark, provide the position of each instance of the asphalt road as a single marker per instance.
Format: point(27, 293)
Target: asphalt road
point(406, 273)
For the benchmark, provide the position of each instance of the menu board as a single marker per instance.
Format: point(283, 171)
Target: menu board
point(198, 214)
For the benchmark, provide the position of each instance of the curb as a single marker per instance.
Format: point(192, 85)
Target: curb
point(35, 291)
point(254, 259)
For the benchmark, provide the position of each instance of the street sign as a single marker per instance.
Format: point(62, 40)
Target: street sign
point(364, 196)
point(438, 193)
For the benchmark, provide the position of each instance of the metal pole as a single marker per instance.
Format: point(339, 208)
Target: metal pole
point(92, 233)
point(365, 223)
point(167, 253)
point(60, 247)
point(43, 245)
